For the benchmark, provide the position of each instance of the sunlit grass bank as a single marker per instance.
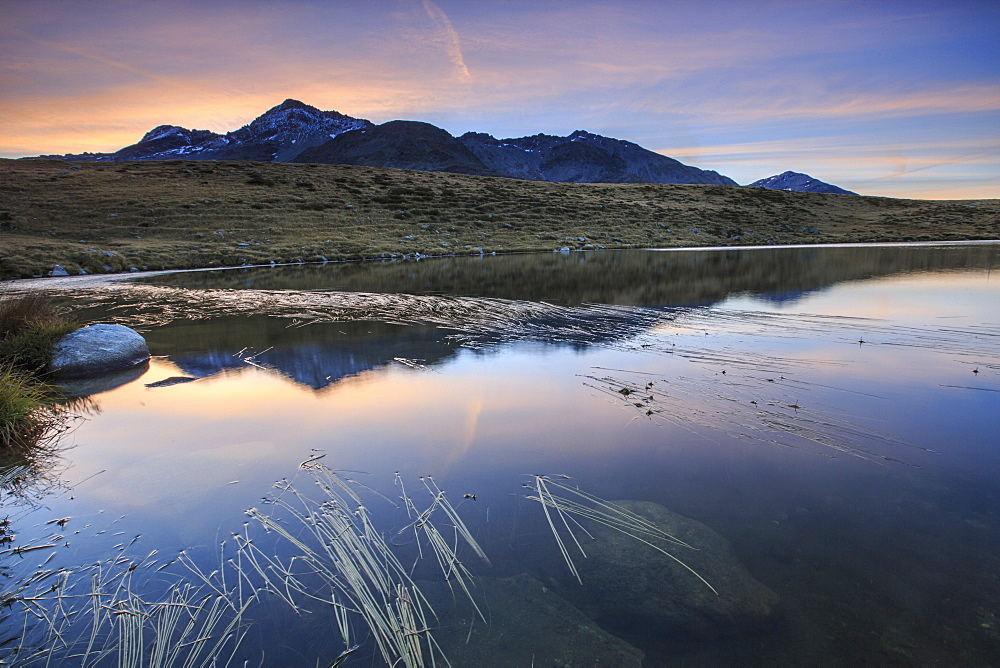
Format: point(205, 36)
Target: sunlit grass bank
point(110, 217)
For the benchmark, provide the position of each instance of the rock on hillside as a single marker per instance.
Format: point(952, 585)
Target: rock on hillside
point(583, 157)
point(800, 182)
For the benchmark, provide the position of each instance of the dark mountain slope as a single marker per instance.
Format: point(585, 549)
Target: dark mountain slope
point(583, 157)
point(799, 182)
point(402, 145)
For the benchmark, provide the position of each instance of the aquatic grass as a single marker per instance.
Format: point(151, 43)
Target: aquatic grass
point(108, 612)
point(570, 502)
point(19, 310)
point(445, 554)
point(138, 611)
point(31, 426)
point(342, 560)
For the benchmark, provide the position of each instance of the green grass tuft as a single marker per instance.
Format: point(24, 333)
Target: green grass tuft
point(30, 326)
point(25, 417)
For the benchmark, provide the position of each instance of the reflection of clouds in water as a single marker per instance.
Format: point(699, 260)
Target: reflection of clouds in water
point(461, 446)
point(817, 378)
point(913, 298)
point(173, 482)
point(461, 408)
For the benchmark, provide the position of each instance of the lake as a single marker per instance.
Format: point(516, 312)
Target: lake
point(346, 462)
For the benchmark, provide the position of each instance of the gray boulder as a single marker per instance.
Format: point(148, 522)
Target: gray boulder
point(58, 270)
point(629, 584)
point(529, 625)
point(98, 349)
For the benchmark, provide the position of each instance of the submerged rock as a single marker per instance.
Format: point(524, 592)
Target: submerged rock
point(173, 380)
point(627, 584)
point(105, 382)
point(528, 625)
point(98, 349)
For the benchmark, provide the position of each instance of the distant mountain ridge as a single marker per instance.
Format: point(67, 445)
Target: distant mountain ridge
point(278, 135)
point(296, 132)
point(799, 182)
point(583, 157)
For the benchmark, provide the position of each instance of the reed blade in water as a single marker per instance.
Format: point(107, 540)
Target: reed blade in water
point(569, 502)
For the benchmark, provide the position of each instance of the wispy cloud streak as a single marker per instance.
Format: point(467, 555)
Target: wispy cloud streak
point(902, 167)
point(453, 44)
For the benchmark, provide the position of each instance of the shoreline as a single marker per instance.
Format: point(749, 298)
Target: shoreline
point(125, 217)
point(16, 285)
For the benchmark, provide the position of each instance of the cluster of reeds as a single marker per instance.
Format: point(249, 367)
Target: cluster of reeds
point(341, 560)
point(106, 613)
point(24, 416)
point(329, 557)
point(30, 419)
point(568, 502)
point(136, 612)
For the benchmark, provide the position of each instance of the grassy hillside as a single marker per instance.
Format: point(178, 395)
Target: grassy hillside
point(177, 214)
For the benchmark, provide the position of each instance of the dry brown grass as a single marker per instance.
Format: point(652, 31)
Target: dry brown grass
point(102, 217)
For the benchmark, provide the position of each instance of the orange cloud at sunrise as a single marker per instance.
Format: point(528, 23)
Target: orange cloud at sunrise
point(902, 99)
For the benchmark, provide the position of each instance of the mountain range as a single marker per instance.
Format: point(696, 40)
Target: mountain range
point(296, 132)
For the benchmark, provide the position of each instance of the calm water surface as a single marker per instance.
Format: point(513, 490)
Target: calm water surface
point(830, 414)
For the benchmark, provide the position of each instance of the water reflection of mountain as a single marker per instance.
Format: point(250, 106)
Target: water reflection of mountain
point(782, 297)
point(317, 356)
point(320, 324)
point(321, 353)
point(637, 278)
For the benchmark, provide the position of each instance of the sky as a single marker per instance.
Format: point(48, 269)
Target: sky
point(890, 98)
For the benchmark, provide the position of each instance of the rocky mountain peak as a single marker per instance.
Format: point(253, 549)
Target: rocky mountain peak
point(797, 181)
point(163, 131)
point(291, 103)
point(294, 116)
